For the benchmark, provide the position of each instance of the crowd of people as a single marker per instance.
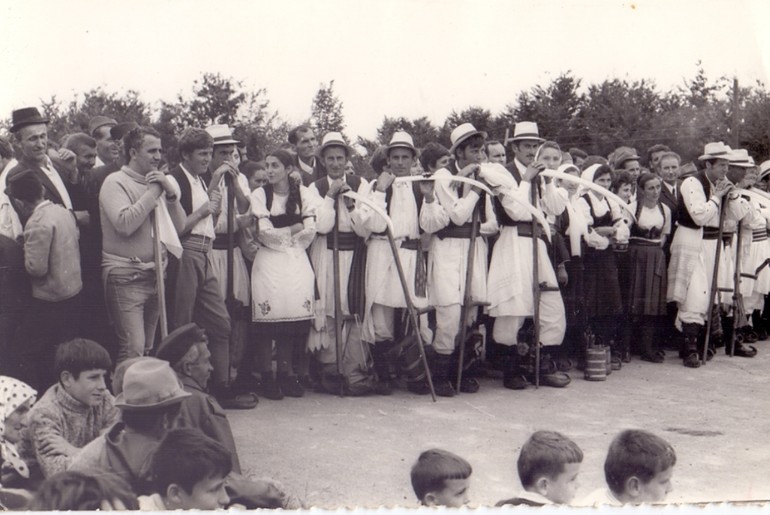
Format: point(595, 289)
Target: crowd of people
point(217, 280)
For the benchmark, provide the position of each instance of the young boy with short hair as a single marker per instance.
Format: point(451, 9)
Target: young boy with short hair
point(188, 471)
point(76, 409)
point(548, 466)
point(441, 478)
point(638, 469)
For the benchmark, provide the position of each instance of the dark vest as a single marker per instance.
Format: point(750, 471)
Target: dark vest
point(599, 221)
point(322, 184)
point(453, 230)
point(652, 233)
point(286, 219)
point(185, 197)
point(682, 214)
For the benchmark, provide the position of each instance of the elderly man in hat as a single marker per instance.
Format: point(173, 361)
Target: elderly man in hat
point(448, 256)
point(187, 351)
point(511, 271)
point(129, 200)
point(335, 153)
point(303, 140)
point(150, 403)
point(405, 205)
point(693, 249)
point(30, 131)
point(194, 290)
point(107, 146)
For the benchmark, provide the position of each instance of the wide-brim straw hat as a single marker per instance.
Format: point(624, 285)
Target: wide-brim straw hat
point(221, 134)
point(333, 139)
point(461, 133)
point(401, 139)
point(715, 150)
point(526, 131)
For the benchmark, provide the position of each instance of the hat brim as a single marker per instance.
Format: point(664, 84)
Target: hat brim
point(705, 157)
point(120, 402)
point(229, 141)
point(464, 138)
point(526, 137)
point(32, 121)
point(320, 150)
point(401, 145)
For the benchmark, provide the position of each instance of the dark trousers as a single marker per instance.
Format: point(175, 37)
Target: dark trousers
point(45, 325)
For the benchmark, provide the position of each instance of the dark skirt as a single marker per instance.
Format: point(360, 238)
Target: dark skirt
point(281, 331)
point(647, 280)
point(601, 287)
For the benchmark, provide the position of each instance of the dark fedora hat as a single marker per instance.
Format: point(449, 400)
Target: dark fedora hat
point(26, 116)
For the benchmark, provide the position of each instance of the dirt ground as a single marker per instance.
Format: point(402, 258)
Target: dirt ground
point(335, 452)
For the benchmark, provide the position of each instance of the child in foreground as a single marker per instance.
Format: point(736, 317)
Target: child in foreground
point(548, 465)
point(638, 469)
point(189, 471)
point(441, 478)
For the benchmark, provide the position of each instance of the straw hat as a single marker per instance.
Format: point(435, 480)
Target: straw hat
point(462, 133)
point(715, 150)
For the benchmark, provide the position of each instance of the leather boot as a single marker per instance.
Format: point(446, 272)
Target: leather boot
point(381, 358)
point(549, 372)
point(514, 370)
point(690, 355)
point(647, 346)
point(440, 370)
point(468, 384)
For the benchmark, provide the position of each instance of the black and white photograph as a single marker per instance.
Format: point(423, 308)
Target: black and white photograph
point(401, 254)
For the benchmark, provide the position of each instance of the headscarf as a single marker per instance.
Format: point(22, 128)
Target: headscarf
point(13, 393)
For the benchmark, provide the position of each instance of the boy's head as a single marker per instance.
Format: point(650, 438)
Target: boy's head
point(84, 491)
point(441, 478)
point(81, 366)
point(548, 464)
point(189, 471)
point(639, 467)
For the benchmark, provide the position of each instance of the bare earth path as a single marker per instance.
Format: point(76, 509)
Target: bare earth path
point(335, 452)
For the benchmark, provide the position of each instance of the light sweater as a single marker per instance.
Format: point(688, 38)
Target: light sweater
point(58, 413)
point(125, 204)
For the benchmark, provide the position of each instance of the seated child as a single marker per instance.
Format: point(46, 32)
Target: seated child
point(188, 471)
point(638, 469)
point(441, 478)
point(84, 491)
point(548, 465)
point(76, 409)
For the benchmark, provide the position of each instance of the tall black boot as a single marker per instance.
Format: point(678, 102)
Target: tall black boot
point(514, 369)
point(648, 348)
point(381, 357)
point(690, 355)
point(440, 370)
point(759, 325)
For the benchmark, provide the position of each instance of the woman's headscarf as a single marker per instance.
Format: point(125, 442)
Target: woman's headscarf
point(13, 393)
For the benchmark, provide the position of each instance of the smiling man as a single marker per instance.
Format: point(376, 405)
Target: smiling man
point(127, 200)
point(76, 409)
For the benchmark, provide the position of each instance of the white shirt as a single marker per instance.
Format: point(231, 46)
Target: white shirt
point(55, 178)
point(308, 169)
point(205, 226)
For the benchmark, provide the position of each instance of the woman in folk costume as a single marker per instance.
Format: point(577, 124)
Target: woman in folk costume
point(282, 280)
point(647, 276)
point(16, 399)
point(573, 226)
point(601, 290)
point(406, 205)
point(511, 271)
point(693, 249)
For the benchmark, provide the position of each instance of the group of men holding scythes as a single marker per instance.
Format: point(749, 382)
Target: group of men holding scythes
point(374, 285)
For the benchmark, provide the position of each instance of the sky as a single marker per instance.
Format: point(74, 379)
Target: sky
point(387, 58)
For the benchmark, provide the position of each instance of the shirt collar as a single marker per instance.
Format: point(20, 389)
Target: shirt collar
point(534, 497)
point(190, 177)
point(42, 205)
point(305, 167)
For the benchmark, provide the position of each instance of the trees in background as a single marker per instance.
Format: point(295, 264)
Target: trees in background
point(595, 117)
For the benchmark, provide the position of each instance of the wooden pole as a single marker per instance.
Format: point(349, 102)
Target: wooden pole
point(338, 325)
point(467, 299)
point(159, 279)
